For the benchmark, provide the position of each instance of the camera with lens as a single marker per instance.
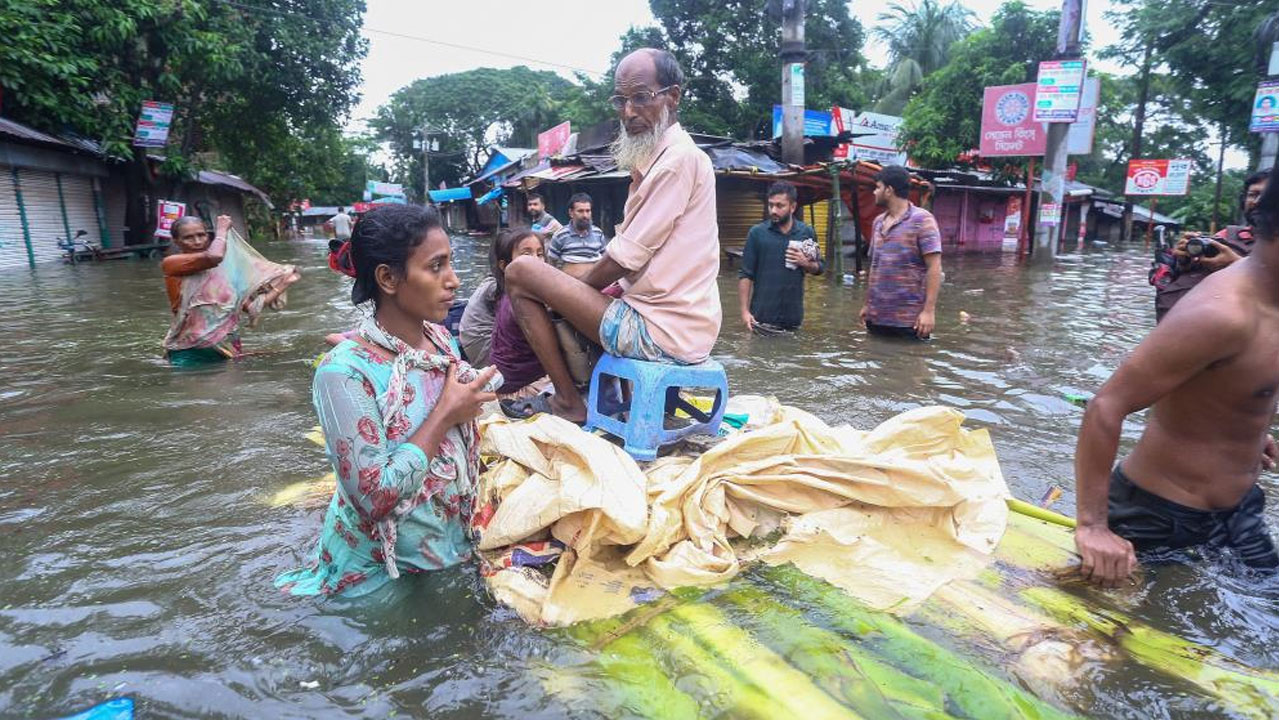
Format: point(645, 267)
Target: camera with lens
point(1201, 246)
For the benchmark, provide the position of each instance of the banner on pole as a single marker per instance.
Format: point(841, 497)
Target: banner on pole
point(796, 71)
point(1265, 108)
point(153, 125)
point(1059, 89)
point(1158, 177)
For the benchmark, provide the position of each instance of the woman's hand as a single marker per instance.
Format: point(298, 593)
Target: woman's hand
point(463, 402)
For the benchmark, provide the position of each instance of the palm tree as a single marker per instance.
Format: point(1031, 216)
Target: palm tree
point(919, 38)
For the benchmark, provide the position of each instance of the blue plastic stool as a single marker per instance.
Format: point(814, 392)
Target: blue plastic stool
point(655, 394)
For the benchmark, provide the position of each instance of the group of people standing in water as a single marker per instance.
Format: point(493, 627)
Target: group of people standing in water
point(398, 399)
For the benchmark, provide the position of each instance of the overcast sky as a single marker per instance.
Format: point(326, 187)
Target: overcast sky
point(411, 39)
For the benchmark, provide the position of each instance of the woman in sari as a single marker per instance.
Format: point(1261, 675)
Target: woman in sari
point(398, 409)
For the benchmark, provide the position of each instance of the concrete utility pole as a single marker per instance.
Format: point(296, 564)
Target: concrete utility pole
point(1054, 172)
point(426, 163)
point(1270, 141)
point(793, 53)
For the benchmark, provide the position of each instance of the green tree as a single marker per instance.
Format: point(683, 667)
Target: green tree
point(1196, 209)
point(470, 111)
point(728, 49)
point(919, 38)
point(1172, 131)
point(943, 121)
point(1203, 45)
point(248, 81)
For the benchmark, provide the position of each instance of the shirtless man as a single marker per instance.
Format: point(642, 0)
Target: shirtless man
point(1209, 372)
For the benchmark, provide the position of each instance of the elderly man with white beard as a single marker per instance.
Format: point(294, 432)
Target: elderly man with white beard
point(664, 257)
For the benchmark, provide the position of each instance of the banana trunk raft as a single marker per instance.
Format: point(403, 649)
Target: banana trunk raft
point(798, 570)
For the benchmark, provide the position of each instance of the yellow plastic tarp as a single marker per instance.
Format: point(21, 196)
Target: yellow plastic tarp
point(888, 515)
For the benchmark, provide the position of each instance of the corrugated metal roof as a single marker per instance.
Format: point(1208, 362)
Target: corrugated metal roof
point(514, 153)
point(18, 131)
point(22, 132)
point(494, 171)
point(213, 177)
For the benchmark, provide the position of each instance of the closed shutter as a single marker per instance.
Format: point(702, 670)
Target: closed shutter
point(818, 216)
point(44, 213)
point(77, 197)
point(114, 196)
point(739, 205)
point(13, 247)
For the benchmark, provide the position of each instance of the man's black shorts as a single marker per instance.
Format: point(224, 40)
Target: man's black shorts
point(1151, 522)
point(894, 331)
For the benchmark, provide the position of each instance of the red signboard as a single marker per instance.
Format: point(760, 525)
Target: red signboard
point(1158, 177)
point(552, 141)
point(1008, 126)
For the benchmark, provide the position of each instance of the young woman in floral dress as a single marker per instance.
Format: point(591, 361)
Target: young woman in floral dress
point(398, 409)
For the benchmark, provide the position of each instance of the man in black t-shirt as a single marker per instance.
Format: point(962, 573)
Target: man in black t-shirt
point(778, 254)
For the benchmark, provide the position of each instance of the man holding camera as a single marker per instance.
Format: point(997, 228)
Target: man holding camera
point(1197, 256)
point(1210, 378)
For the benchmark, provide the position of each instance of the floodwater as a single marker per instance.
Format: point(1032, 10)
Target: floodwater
point(140, 541)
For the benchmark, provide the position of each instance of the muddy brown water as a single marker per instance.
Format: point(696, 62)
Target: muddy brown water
point(140, 544)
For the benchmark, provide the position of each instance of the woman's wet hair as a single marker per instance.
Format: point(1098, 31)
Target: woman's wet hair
point(183, 221)
point(386, 235)
point(503, 251)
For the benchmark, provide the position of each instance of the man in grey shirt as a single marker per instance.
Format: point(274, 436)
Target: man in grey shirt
point(543, 223)
point(577, 247)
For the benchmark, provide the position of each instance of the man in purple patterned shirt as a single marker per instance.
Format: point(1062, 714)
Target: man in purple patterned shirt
point(905, 262)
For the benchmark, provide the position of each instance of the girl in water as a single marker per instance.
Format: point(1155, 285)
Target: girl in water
point(398, 409)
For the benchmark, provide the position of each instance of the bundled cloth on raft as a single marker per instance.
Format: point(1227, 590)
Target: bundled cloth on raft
point(888, 515)
point(216, 301)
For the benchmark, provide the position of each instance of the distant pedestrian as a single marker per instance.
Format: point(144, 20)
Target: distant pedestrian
point(341, 225)
point(542, 222)
point(905, 263)
point(778, 253)
point(579, 245)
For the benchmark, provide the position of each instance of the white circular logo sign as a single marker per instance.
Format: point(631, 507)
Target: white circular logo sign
point(1012, 108)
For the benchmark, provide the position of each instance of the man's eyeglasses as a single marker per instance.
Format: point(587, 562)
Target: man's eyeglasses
point(643, 98)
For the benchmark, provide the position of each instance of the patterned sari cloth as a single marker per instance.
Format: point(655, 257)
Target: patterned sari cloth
point(393, 509)
point(215, 301)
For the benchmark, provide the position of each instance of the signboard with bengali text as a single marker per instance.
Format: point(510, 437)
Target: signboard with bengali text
point(167, 213)
point(1158, 177)
point(1008, 126)
point(1059, 89)
point(816, 123)
point(152, 130)
point(1265, 108)
point(384, 189)
point(875, 136)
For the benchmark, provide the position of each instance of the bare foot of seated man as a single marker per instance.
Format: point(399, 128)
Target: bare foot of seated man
point(533, 286)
